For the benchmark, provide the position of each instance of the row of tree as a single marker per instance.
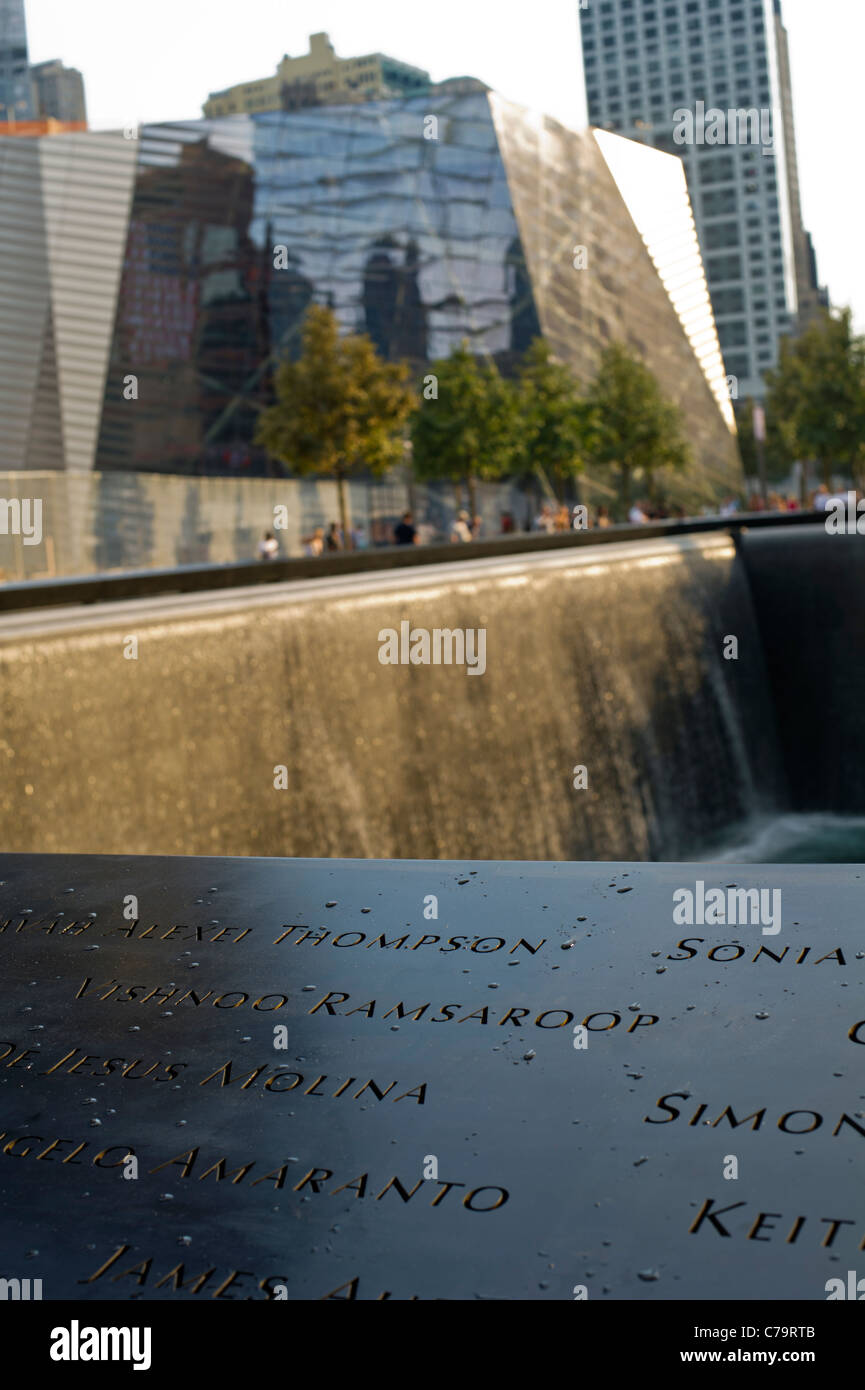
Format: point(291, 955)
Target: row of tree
point(339, 410)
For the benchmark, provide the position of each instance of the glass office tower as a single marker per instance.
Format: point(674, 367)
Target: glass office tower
point(664, 72)
point(16, 95)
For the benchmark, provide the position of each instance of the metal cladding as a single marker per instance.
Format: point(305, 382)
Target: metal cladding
point(64, 213)
point(188, 256)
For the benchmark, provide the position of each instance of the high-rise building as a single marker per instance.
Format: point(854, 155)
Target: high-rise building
point(16, 97)
point(319, 78)
point(58, 92)
point(709, 80)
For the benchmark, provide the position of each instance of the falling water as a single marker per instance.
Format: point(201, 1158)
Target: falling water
point(609, 657)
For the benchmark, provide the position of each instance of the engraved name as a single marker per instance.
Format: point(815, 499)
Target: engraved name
point(284, 1081)
point(708, 1218)
point(734, 950)
point(176, 1280)
point(129, 931)
point(313, 1181)
point(796, 1122)
point(25, 1058)
point(444, 1013)
point(120, 993)
point(179, 932)
point(484, 945)
point(281, 1080)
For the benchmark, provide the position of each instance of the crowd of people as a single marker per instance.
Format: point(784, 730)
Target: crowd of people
point(549, 519)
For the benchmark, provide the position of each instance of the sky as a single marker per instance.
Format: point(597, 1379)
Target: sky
point(159, 61)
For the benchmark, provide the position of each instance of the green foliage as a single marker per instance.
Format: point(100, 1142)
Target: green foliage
point(339, 409)
point(471, 430)
point(817, 395)
point(638, 431)
point(557, 425)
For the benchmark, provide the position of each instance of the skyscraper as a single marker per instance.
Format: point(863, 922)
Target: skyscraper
point(709, 80)
point(16, 98)
point(319, 78)
point(58, 92)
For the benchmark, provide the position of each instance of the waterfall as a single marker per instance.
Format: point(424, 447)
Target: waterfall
point(609, 657)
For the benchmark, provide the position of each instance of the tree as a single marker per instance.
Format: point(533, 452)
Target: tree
point(638, 430)
point(817, 395)
point(469, 429)
point(556, 422)
point(339, 409)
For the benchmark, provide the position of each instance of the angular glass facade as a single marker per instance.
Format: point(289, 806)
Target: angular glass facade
point(422, 221)
point(238, 224)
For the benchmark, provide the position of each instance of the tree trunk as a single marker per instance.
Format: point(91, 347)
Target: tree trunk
point(473, 508)
point(344, 519)
point(625, 487)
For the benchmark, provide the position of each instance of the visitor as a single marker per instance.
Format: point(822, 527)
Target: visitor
point(333, 539)
point(477, 527)
point(603, 516)
point(405, 531)
point(545, 519)
point(314, 545)
point(268, 546)
point(820, 498)
point(508, 523)
point(461, 531)
point(637, 514)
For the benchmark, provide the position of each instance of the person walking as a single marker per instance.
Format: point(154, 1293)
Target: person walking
point(314, 545)
point(405, 532)
point(268, 546)
point(461, 532)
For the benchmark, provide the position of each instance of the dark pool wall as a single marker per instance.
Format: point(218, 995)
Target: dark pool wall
point(809, 595)
point(611, 658)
